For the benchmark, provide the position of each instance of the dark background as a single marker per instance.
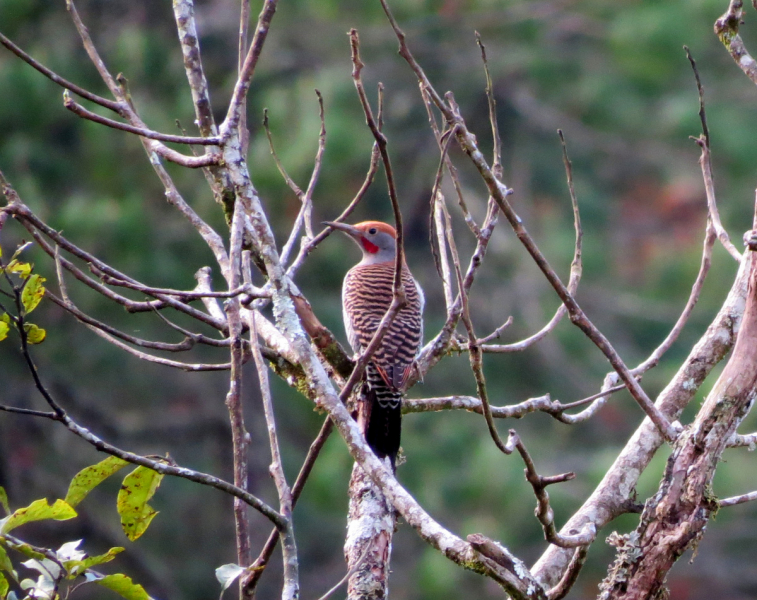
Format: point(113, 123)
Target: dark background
point(613, 76)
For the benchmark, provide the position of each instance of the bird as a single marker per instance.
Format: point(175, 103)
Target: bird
point(367, 293)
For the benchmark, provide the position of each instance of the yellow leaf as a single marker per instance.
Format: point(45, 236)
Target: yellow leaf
point(21, 268)
point(138, 487)
point(34, 334)
point(37, 511)
point(33, 292)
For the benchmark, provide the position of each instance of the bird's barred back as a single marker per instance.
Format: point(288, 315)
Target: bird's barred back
point(367, 295)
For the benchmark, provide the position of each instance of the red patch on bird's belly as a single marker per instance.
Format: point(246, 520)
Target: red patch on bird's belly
point(369, 247)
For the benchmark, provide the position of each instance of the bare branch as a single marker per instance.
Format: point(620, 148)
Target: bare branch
point(187, 295)
point(571, 574)
point(473, 404)
point(705, 162)
point(311, 244)
point(239, 436)
point(503, 557)
point(349, 574)
point(544, 511)
point(238, 102)
point(187, 344)
point(286, 534)
point(79, 110)
point(469, 220)
point(440, 226)
point(34, 225)
point(610, 497)
point(513, 411)
point(399, 259)
point(748, 440)
point(497, 141)
point(696, 289)
point(576, 269)
point(59, 414)
point(190, 48)
point(289, 181)
point(500, 192)
point(112, 335)
point(116, 107)
point(305, 215)
point(257, 567)
point(203, 278)
point(734, 500)
point(727, 30)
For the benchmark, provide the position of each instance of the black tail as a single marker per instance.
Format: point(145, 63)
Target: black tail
point(384, 427)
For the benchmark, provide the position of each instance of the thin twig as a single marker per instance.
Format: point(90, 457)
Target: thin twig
point(513, 411)
point(349, 574)
point(734, 500)
point(187, 344)
point(116, 107)
point(500, 192)
point(258, 566)
point(111, 335)
point(705, 162)
point(571, 574)
point(445, 272)
point(576, 267)
point(288, 544)
point(187, 295)
point(305, 214)
point(311, 245)
point(496, 140)
point(238, 103)
point(82, 112)
point(239, 436)
point(60, 414)
point(704, 267)
point(544, 511)
point(451, 169)
point(399, 259)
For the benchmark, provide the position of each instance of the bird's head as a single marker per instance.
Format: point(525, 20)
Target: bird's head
point(377, 240)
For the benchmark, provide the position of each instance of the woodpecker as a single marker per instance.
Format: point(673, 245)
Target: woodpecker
point(366, 296)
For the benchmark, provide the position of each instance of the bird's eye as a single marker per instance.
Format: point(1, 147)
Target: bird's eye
point(372, 231)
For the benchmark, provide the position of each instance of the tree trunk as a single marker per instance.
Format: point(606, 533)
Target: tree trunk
point(370, 526)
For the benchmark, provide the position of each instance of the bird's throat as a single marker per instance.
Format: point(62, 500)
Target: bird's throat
point(369, 247)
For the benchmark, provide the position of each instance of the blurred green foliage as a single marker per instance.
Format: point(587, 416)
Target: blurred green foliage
point(613, 76)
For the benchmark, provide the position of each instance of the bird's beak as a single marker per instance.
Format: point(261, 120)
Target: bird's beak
point(348, 229)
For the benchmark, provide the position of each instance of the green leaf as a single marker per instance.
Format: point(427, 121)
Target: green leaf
point(21, 268)
point(4, 587)
point(27, 550)
point(38, 510)
point(79, 566)
point(33, 292)
point(123, 585)
point(4, 329)
point(138, 487)
point(34, 334)
point(4, 501)
point(5, 562)
point(87, 479)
